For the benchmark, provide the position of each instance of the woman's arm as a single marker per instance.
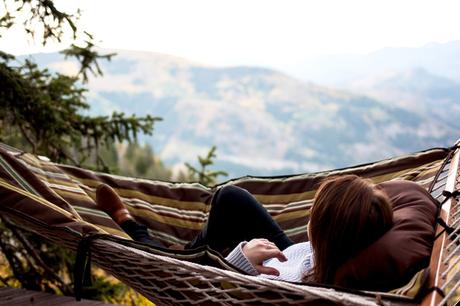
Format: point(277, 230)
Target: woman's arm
point(250, 256)
point(239, 260)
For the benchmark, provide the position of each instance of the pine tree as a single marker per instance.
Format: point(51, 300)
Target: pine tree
point(202, 175)
point(43, 112)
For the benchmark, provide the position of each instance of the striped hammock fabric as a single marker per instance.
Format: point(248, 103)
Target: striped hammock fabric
point(58, 202)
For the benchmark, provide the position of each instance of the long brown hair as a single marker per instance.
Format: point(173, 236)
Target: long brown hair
point(348, 213)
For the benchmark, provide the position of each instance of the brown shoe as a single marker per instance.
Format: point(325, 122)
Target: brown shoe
point(109, 201)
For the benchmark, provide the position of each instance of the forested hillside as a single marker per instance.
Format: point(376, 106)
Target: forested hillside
point(262, 121)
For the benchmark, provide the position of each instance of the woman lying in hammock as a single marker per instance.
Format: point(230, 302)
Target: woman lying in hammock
point(348, 214)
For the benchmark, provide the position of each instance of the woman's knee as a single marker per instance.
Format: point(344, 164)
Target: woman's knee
point(230, 195)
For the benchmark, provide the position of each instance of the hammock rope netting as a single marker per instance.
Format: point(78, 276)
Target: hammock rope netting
point(58, 202)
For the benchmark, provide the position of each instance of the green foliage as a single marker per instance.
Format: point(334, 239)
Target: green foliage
point(35, 263)
point(134, 160)
point(203, 175)
point(140, 161)
point(44, 18)
point(87, 57)
point(46, 110)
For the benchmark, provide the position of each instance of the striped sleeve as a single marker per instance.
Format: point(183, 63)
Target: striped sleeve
point(239, 260)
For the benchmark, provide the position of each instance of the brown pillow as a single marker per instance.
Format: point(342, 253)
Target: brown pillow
point(394, 258)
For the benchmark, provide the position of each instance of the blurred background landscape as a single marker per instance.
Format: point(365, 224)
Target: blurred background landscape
point(277, 88)
point(266, 122)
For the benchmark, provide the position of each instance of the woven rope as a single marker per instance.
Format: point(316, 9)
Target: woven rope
point(160, 275)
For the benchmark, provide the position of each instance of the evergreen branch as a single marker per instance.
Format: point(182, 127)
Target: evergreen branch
point(204, 176)
point(25, 133)
point(88, 58)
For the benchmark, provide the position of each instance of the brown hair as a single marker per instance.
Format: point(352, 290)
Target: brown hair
point(348, 214)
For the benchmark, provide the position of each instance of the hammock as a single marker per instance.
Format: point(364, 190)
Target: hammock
point(58, 202)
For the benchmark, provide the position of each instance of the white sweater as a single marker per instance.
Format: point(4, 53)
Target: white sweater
point(300, 261)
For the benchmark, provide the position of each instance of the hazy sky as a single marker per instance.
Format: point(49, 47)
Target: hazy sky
point(253, 32)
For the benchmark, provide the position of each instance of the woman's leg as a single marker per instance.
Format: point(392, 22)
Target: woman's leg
point(138, 232)
point(236, 216)
point(109, 201)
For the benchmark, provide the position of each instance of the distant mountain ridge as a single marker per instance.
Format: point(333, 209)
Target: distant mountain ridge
point(339, 70)
point(417, 90)
point(262, 121)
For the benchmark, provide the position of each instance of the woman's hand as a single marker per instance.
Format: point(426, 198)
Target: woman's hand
point(259, 250)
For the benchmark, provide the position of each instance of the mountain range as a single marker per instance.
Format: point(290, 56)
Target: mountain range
point(339, 70)
point(265, 122)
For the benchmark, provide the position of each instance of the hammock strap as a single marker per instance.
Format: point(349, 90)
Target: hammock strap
point(451, 231)
point(427, 291)
point(449, 195)
point(82, 267)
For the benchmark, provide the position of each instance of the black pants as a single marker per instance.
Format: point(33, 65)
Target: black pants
point(235, 216)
